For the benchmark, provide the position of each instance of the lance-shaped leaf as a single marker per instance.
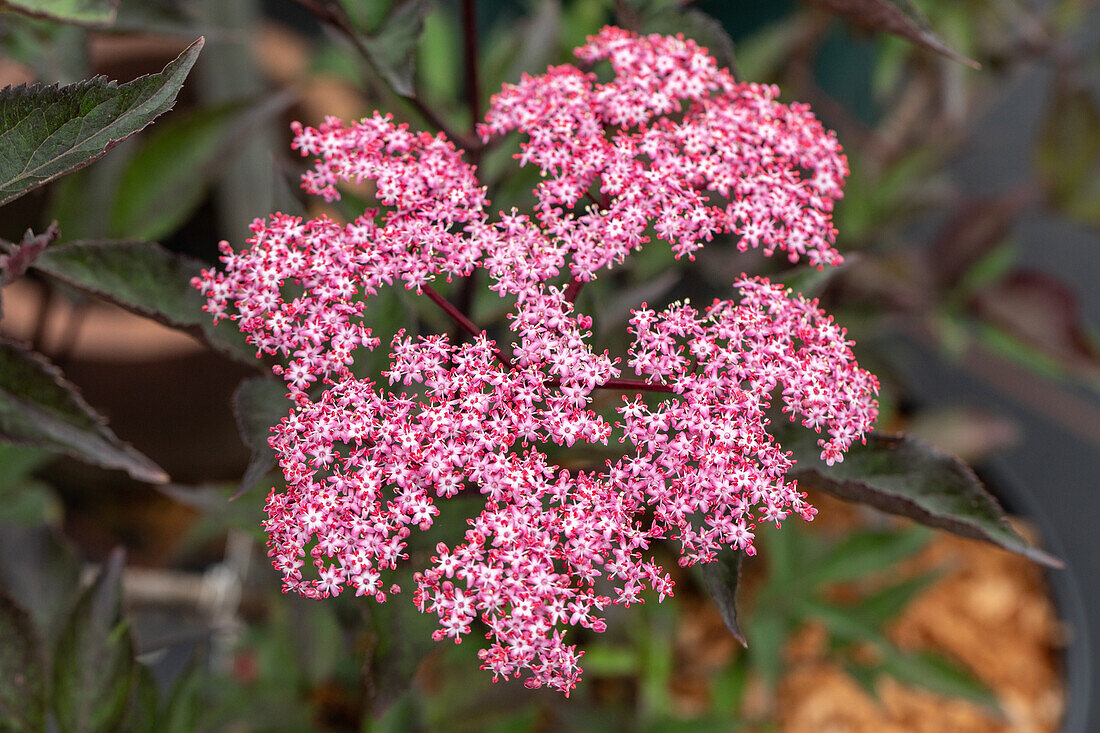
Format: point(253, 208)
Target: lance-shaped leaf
point(22, 670)
point(904, 476)
point(258, 404)
point(722, 577)
point(862, 554)
point(144, 703)
point(39, 407)
point(93, 13)
point(921, 669)
point(46, 132)
point(897, 17)
point(93, 665)
point(146, 279)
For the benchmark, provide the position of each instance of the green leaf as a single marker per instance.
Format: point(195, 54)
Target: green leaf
point(81, 201)
point(146, 279)
point(923, 669)
point(768, 631)
point(863, 553)
point(183, 711)
point(95, 13)
point(30, 503)
point(706, 723)
point(17, 463)
point(167, 177)
point(439, 57)
point(22, 670)
point(938, 674)
point(864, 676)
point(144, 703)
point(38, 567)
point(727, 689)
point(786, 550)
point(610, 661)
point(94, 662)
point(259, 404)
point(886, 604)
point(897, 17)
point(901, 475)
point(722, 577)
point(846, 624)
point(38, 407)
point(46, 132)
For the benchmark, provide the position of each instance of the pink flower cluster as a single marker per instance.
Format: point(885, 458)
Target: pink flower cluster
point(671, 145)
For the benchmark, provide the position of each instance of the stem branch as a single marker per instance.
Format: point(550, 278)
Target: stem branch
point(471, 328)
point(330, 12)
point(456, 315)
point(469, 38)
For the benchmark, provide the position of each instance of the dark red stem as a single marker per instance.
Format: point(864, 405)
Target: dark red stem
point(456, 315)
point(572, 289)
point(629, 384)
point(471, 328)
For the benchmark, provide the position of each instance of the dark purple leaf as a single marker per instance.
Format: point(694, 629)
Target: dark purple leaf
point(901, 475)
point(722, 577)
point(897, 17)
point(46, 132)
point(39, 407)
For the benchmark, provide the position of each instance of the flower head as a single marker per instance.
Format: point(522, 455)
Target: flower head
point(671, 145)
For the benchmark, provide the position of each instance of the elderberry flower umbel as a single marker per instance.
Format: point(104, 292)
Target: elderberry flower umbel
point(673, 147)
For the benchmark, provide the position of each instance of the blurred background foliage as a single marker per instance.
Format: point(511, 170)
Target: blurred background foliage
point(190, 631)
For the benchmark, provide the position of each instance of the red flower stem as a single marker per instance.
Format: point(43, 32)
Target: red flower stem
point(572, 289)
point(460, 318)
point(456, 315)
point(471, 328)
point(628, 384)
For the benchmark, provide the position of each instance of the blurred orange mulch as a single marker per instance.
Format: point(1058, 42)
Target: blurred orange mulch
point(991, 612)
